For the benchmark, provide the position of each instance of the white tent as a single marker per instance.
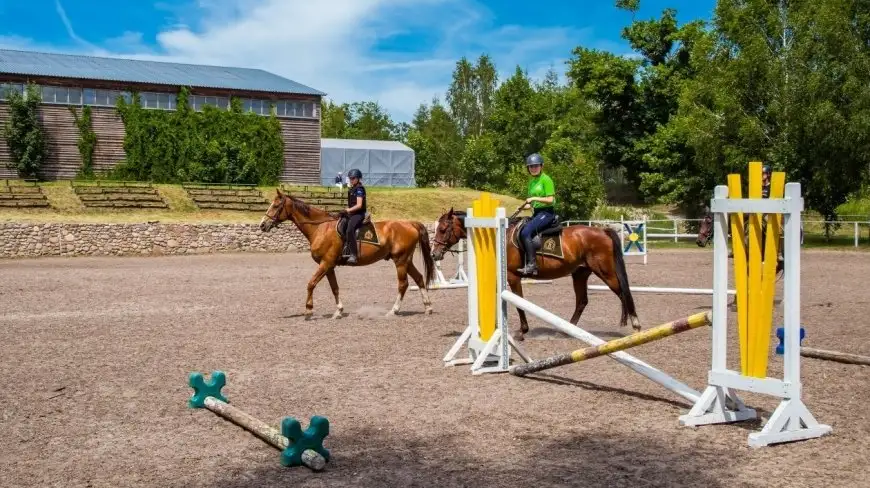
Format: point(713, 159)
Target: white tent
point(383, 163)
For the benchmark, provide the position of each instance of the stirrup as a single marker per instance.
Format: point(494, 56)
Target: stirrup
point(528, 270)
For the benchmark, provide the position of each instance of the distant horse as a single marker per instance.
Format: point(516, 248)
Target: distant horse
point(385, 240)
point(576, 250)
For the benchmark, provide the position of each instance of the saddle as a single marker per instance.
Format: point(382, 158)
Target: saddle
point(547, 241)
point(365, 233)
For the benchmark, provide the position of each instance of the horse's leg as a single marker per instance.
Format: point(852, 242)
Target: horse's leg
point(515, 282)
point(322, 270)
point(333, 283)
point(580, 277)
point(418, 279)
point(402, 272)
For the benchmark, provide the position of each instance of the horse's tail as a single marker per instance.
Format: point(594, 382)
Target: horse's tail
point(621, 276)
point(426, 249)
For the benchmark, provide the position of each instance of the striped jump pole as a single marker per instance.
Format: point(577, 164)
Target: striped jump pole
point(298, 447)
point(633, 340)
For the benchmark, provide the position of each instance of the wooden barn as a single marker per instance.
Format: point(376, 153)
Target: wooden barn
point(66, 80)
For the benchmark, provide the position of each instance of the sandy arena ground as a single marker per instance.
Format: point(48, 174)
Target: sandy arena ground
point(96, 353)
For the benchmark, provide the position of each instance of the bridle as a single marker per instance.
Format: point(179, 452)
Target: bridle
point(449, 235)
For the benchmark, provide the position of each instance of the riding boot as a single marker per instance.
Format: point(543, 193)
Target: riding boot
point(531, 267)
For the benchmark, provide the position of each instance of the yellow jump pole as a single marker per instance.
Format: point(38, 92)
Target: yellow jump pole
point(627, 342)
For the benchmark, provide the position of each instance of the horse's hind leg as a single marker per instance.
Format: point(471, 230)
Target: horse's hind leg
point(580, 278)
point(608, 272)
point(333, 283)
point(516, 283)
point(418, 279)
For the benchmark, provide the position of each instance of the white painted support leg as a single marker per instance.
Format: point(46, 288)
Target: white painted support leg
point(717, 405)
point(791, 421)
point(450, 357)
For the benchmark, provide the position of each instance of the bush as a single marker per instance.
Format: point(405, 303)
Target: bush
point(23, 132)
point(87, 141)
point(212, 146)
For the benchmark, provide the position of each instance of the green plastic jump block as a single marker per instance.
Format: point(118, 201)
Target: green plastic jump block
point(203, 389)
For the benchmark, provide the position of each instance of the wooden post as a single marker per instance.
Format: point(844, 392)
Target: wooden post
point(633, 340)
point(841, 357)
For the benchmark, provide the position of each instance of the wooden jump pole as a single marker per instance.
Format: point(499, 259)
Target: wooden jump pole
point(305, 448)
point(840, 357)
point(633, 340)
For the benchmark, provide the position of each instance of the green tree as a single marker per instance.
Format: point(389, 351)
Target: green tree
point(470, 94)
point(781, 82)
point(368, 120)
point(632, 98)
point(23, 132)
point(334, 119)
point(443, 142)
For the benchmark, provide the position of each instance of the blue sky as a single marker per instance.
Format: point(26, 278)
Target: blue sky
point(398, 52)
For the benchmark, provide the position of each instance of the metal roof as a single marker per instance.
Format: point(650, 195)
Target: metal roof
point(32, 63)
point(363, 144)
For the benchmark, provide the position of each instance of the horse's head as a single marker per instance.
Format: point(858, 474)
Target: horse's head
point(705, 232)
point(276, 213)
point(450, 229)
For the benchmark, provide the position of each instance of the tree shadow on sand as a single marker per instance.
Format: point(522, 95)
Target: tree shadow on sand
point(368, 457)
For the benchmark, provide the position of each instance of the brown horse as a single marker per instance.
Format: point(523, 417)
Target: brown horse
point(397, 241)
point(705, 233)
point(585, 249)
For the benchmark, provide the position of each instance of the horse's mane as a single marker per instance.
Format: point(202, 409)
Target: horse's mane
point(304, 208)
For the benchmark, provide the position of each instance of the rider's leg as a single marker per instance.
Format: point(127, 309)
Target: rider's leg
point(353, 224)
point(540, 220)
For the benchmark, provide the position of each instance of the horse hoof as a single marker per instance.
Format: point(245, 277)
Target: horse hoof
point(337, 314)
point(428, 310)
point(518, 336)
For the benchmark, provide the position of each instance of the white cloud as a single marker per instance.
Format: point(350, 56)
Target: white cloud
point(351, 49)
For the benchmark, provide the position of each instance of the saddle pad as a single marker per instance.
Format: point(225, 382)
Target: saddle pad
point(367, 233)
point(551, 245)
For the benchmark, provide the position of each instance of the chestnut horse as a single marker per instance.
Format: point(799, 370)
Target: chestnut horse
point(398, 241)
point(586, 250)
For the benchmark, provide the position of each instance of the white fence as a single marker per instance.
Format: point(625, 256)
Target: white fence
point(671, 229)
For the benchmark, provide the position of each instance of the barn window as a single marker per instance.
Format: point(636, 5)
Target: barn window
point(7, 87)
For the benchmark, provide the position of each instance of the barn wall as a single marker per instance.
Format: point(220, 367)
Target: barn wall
point(107, 124)
point(301, 151)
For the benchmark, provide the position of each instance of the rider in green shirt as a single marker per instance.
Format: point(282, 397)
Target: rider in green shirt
point(542, 198)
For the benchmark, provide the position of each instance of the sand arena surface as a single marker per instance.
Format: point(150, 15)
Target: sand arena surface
point(96, 353)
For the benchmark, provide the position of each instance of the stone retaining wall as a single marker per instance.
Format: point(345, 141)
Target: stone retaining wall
point(33, 240)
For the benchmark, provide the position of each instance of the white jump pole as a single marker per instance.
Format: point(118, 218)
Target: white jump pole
point(655, 289)
point(623, 357)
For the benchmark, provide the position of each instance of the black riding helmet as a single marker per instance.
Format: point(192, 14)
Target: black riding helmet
point(534, 159)
point(354, 173)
